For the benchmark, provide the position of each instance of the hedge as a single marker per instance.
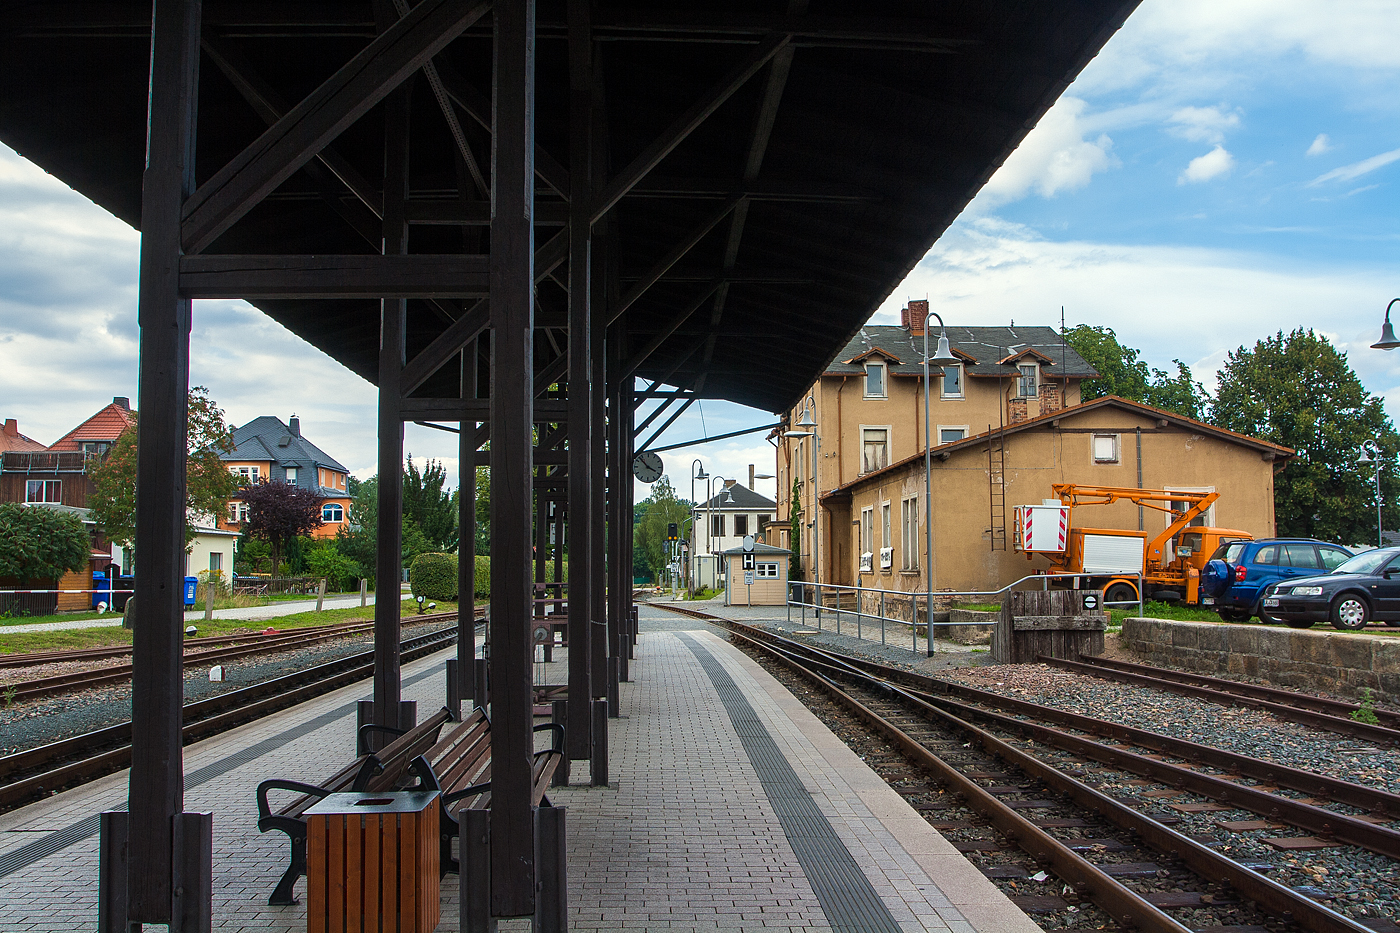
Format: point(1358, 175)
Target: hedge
point(434, 576)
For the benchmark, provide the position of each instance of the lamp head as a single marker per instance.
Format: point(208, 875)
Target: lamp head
point(1387, 341)
point(702, 475)
point(797, 434)
point(807, 421)
point(943, 356)
point(1365, 456)
point(728, 497)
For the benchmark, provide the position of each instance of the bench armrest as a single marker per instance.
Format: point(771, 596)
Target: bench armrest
point(427, 780)
point(368, 728)
point(265, 811)
point(557, 742)
point(472, 791)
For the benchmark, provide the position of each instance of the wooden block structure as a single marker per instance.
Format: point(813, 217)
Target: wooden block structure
point(372, 863)
point(1057, 623)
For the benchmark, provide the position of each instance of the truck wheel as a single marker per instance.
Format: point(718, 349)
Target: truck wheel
point(1120, 593)
point(1350, 612)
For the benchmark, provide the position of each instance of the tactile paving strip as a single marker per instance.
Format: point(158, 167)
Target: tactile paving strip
point(847, 897)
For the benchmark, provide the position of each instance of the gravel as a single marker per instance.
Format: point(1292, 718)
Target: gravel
point(41, 721)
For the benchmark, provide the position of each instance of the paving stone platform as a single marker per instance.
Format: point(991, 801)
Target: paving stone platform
point(731, 808)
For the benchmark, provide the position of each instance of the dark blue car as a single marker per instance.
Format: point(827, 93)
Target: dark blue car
point(1234, 579)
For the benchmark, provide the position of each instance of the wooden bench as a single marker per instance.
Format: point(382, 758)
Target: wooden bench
point(380, 771)
point(459, 767)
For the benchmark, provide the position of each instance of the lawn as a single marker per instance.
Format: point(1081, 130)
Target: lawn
point(26, 642)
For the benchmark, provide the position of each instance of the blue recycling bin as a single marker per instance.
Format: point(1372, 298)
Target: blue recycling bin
point(191, 583)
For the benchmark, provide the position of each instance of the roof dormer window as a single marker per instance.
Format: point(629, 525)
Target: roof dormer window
point(1028, 383)
point(875, 379)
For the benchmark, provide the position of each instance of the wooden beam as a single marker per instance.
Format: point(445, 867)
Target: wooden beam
point(548, 213)
point(544, 411)
point(664, 264)
point(346, 96)
point(512, 870)
point(685, 124)
point(461, 333)
point(384, 276)
point(632, 365)
point(156, 784)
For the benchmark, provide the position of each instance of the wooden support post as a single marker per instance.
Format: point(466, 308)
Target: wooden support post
point(512, 394)
point(320, 594)
point(452, 670)
point(156, 793)
point(619, 492)
point(113, 828)
point(466, 535)
point(560, 715)
point(392, 327)
point(475, 871)
point(600, 743)
point(551, 912)
point(193, 908)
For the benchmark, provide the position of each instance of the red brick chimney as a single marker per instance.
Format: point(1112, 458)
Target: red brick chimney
point(914, 316)
point(12, 427)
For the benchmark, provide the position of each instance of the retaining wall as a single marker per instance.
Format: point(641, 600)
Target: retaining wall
point(1335, 662)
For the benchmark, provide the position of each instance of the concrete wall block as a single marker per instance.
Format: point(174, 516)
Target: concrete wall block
point(1385, 657)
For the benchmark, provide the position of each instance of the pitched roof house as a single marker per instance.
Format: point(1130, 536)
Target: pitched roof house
point(11, 439)
point(267, 450)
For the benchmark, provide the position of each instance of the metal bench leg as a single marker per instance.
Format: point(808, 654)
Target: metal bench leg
point(474, 848)
point(282, 895)
point(551, 867)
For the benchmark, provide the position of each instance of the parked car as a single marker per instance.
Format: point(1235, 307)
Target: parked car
point(1234, 579)
point(1364, 588)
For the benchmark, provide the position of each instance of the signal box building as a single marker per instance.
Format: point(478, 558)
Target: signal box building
point(765, 584)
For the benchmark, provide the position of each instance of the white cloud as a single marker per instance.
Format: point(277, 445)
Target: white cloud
point(1203, 124)
point(1320, 145)
point(1213, 164)
point(1053, 157)
point(1357, 169)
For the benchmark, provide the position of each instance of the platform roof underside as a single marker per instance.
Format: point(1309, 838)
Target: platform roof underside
point(889, 119)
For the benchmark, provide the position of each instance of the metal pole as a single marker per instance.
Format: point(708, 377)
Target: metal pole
point(817, 524)
point(1380, 535)
point(882, 617)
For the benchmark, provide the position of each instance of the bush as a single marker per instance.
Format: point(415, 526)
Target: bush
point(324, 559)
point(434, 576)
point(482, 581)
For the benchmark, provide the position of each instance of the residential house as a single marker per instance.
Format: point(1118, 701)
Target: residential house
point(11, 439)
point(732, 513)
point(267, 450)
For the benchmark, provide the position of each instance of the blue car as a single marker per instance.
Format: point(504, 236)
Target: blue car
point(1235, 578)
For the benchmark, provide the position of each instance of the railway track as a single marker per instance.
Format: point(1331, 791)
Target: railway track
point(1023, 777)
point(37, 772)
point(199, 652)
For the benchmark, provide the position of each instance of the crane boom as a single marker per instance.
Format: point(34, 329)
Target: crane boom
point(1198, 503)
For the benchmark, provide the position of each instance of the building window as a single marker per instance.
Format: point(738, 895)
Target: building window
point(741, 525)
point(291, 476)
point(237, 512)
point(1105, 448)
point(875, 380)
point(909, 533)
point(95, 448)
point(867, 521)
point(953, 381)
point(1028, 385)
point(717, 526)
point(43, 490)
point(763, 521)
point(216, 562)
point(876, 445)
point(332, 512)
point(947, 435)
point(247, 475)
point(766, 571)
point(885, 525)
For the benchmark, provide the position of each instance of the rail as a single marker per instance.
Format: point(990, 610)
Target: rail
point(912, 600)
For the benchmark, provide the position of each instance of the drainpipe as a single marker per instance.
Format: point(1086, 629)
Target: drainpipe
point(841, 447)
point(1138, 430)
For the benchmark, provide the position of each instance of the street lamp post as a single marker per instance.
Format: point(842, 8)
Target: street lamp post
point(703, 477)
point(1387, 341)
point(1372, 446)
point(709, 516)
point(944, 357)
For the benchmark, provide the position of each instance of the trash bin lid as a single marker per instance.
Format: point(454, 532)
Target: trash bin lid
point(389, 802)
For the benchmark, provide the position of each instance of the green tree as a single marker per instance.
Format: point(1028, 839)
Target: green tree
point(208, 483)
point(38, 543)
point(1299, 391)
point(324, 559)
point(650, 548)
point(1122, 373)
point(280, 514)
point(431, 507)
point(795, 532)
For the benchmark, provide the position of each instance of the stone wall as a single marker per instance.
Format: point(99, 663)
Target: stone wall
point(1334, 662)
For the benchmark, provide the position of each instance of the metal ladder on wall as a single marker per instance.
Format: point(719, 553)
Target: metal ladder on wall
point(996, 480)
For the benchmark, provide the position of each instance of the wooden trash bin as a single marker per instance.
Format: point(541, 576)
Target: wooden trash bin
point(372, 863)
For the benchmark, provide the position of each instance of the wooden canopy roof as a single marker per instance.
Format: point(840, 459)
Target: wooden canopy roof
point(797, 159)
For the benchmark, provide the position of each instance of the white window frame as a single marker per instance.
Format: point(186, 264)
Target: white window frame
point(1115, 439)
point(867, 525)
point(340, 517)
point(766, 570)
point(885, 529)
point(962, 376)
point(909, 533)
point(965, 429)
point(884, 379)
point(216, 562)
point(237, 513)
point(43, 488)
point(1021, 368)
point(289, 475)
point(250, 474)
point(889, 445)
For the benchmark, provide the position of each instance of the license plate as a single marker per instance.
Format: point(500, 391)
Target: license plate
point(1208, 601)
point(1271, 602)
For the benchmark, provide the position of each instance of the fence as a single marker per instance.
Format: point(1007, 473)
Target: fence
point(24, 603)
point(884, 600)
point(258, 585)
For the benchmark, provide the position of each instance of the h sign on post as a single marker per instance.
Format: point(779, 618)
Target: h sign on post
point(748, 561)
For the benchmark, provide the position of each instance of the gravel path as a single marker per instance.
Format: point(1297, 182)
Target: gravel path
point(44, 720)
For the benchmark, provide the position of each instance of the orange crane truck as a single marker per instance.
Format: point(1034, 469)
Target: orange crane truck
point(1115, 557)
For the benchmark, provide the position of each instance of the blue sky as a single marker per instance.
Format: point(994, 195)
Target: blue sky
point(1222, 170)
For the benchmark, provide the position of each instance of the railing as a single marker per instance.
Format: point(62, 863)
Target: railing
point(864, 619)
point(274, 586)
point(24, 603)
